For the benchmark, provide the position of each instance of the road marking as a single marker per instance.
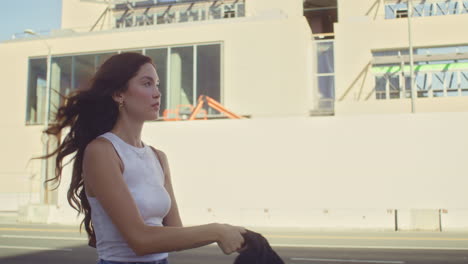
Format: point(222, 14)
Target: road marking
point(45, 237)
point(36, 248)
point(350, 260)
point(39, 229)
point(369, 238)
point(364, 247)
point(275, 236)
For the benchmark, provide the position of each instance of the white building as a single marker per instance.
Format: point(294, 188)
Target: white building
point(329, 139)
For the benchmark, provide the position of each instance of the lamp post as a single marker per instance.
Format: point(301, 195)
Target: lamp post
point(45, 141)
point(410, 40)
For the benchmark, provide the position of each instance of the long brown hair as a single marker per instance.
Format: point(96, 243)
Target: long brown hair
point(89, 113)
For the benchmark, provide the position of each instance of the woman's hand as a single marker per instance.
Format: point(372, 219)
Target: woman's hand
point(229, 238)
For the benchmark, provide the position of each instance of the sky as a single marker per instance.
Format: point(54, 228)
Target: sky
point(39, 15)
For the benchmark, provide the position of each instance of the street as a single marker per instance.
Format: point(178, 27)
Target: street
point(28, 243)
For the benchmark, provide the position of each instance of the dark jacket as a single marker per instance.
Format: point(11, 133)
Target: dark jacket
point(257, 251)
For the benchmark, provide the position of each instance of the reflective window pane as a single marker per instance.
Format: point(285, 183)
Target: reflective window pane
point(326, 86)
point(326, 92)
point(325, 57)
point(84, 67)
point(380, 85)
point(35, 106)
point(215, 12)
point(181, 77)
point(60, 82)
point(394, 86)
point(101, 58)
point(209, 72)
point(159, 57)
point(464, 80)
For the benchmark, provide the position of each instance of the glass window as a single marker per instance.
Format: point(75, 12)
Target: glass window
point(438, 84)
point(394, 86)
point(408, 87)
point(464, 7)
point(426, 8)
point(159, 57)
point(209, 72)
point(326, 92)
point(441, 8)
point(452, 8)
point(181, 77)
point(464, 80)
point(35, 105)
point(190, 15)
point(240, 9)
point(215, 12)
point(84, 68)
point(60, 82)
point(451, 83)
point(136, 51)
point(144, 19)
point(325, 57)
point(101, 58)
point(380, 85)
point(422, 84)
point(165, 17)
point(326, 86)
point(418, 9)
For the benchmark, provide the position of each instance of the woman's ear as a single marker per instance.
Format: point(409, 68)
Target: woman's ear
point(118, 97)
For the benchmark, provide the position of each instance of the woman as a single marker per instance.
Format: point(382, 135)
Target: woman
point(131, 214)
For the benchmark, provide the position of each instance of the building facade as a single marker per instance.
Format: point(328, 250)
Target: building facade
point(328, 138)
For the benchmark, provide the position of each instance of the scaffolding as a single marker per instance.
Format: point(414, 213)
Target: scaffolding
point(125, 14)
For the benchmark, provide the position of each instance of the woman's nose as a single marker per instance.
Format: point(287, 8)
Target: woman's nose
point(157, 93)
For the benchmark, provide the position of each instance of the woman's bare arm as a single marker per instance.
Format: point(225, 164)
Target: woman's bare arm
point(103, 175)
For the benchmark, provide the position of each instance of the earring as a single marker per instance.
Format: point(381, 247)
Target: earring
point(121, 104)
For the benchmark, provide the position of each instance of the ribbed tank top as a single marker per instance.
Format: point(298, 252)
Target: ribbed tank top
point(144, 177)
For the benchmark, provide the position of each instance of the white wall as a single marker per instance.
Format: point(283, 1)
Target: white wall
point(359, 167)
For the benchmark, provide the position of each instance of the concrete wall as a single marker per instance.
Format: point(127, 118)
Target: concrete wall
point(362, 28)
point(385, 172)
point(318, 172)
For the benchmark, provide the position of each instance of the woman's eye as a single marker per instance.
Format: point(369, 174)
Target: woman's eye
point(147, 84)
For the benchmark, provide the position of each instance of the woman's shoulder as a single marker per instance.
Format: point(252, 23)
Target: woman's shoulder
point(98, 145)
point(159, 152)
point(101, 151)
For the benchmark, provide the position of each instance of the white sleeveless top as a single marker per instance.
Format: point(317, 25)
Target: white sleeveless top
point(145, 179)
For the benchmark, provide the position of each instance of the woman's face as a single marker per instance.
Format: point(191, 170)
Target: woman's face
point(142, 98)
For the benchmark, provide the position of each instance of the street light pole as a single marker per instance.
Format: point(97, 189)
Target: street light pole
point(410, 39)
point(45, 141)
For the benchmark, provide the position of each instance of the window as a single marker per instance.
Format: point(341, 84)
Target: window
point(159, 57)
point(134, 14)
point(438, 72)
point(185, 73)
point(67, 73)
point(209, 73)
point(325, 75)
point(35, 105)
point(60, 82)
point(397, 9)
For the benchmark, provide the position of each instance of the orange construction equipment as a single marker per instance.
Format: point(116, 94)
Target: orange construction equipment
point(213, 104)
point(182, 111)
